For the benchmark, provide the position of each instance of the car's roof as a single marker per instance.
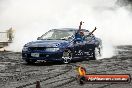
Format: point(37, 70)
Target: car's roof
point(68, 29)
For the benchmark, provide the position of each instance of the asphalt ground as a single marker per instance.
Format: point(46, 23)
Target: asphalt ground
point(15, 73)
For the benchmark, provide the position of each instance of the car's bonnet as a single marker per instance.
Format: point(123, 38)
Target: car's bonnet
point(48, 43)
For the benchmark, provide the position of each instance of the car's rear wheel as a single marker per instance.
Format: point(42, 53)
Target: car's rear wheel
point(92, 55)
point(30, 61)
point(96, 54)
point(67, 56)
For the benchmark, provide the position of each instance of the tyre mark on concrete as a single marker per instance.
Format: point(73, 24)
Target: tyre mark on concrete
point(58, 81)
point(72, 79)
point(67, 69)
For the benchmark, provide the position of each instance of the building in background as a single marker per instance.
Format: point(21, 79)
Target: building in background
point(6, 38)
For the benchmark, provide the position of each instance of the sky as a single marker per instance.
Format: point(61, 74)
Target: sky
point(32, 18)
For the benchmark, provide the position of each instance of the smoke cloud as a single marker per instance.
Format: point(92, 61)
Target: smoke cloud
point(32, 18)
point(124, 2)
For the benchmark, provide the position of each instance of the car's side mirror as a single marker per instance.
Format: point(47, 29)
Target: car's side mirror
point(38, 38)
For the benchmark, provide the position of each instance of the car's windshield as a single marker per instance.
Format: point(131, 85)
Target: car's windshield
point(58, 35)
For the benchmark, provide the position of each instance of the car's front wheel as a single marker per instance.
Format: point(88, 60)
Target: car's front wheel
point(67, 56)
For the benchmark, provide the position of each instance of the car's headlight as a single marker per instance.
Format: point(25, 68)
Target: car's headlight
point(52, 49)
point(25, 49)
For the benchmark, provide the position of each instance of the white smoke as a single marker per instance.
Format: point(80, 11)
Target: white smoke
point(32, 18)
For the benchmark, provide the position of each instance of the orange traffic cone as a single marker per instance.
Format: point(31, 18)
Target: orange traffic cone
point(38, 84)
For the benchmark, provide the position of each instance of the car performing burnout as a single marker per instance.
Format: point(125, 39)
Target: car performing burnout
point(64, 45)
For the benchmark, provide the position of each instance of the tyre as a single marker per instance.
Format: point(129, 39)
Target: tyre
point(67, 56)
point(93, 56)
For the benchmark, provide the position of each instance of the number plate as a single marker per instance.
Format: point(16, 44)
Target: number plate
point(35, 54)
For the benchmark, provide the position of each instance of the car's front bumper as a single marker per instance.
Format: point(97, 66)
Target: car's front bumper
point(46, 56)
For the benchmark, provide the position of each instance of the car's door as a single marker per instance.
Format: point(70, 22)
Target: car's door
point(79, 49)
point(83, 49)
point(89, 46)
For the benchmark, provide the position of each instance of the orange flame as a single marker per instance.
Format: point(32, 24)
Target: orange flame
point(82, 71)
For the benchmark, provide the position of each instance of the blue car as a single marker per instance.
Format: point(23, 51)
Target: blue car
point(63, 46)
